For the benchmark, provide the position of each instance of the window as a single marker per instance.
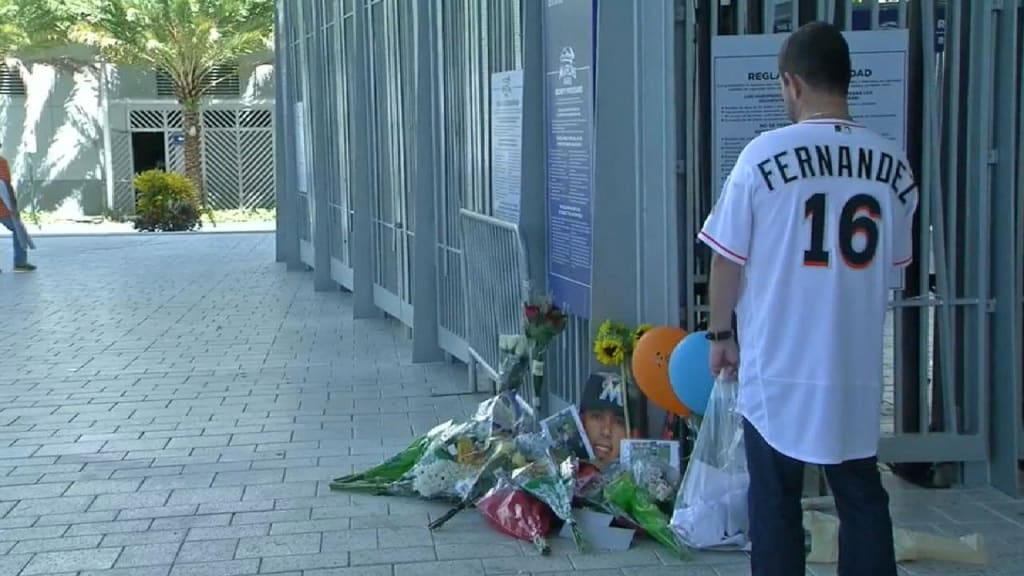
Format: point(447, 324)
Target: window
point(221, 81)
point(11, 83)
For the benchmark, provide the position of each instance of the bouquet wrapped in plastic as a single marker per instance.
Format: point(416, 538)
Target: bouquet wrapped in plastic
point(554, 485)
point(711, 508)
point(659, 480)
point(632, 500)
point(387, 477)
point(451, 460)
point(512, 511)
point(502, 455)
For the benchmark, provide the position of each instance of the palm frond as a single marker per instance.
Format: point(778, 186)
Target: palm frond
point(185, 38)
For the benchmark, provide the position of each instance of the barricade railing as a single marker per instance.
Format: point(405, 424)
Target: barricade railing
point(495, 276)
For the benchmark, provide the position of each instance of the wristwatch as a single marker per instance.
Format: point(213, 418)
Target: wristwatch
point(718, 336)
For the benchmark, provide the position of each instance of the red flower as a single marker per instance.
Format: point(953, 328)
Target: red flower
point(532, 312)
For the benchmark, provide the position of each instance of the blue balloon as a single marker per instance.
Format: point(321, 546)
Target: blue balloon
point(690, 374)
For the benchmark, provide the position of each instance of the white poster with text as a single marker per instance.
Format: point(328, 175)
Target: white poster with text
point(747, 97)
point(507, 143)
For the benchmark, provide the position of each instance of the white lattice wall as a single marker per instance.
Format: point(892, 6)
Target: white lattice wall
point(238, 154)
point(121, 154)
point(239, 158)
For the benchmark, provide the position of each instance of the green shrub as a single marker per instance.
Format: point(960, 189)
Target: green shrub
point(166, 202)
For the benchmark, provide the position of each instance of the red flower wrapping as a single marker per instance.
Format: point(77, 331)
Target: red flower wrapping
point(516, 513)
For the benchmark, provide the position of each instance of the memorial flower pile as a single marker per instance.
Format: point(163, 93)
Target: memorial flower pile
point(523, 483)
point(524, 479)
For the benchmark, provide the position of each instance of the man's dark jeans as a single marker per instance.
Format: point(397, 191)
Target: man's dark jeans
point(20, 252)
point(776, 516)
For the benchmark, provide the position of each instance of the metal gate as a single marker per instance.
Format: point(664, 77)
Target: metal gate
point(238, 153)
point(476, 40)
point(339, 43)
point(391, 55)
point(937, 373)
point(300, 33)
point(238, 158)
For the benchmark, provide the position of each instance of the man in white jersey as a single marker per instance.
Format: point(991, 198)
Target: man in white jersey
point(813, 221)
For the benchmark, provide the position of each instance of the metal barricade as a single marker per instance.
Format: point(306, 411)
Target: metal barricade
point(494, 280)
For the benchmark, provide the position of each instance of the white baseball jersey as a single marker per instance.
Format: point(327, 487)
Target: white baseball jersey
point(820, 216)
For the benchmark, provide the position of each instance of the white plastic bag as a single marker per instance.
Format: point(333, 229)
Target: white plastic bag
point(711, 507)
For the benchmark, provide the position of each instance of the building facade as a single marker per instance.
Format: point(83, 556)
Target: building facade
point(76, 136)
point(437, 156)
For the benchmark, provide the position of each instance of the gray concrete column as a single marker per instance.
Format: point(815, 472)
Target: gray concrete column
point(425, 346)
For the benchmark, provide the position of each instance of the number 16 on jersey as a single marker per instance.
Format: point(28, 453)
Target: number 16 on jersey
point(856, 231)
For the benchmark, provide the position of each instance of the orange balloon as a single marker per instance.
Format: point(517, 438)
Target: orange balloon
point(650, 367)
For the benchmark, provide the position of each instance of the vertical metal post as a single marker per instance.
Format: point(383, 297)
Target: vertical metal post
point(979, 181)
point(362, 231)
point(425, 187)
point(614, 258)
point(655, 155)
point(285, 87)
point(1005, 363)
point(533, 202)
point(280, 173)
point(742, 17)
point(319, 186)
point(693, 145)
point(768, 17)
point(909, 350)
point(933, 201)
point(657, 183)
point(1020, 219)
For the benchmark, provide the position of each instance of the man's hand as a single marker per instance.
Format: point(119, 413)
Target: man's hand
point(725, 359)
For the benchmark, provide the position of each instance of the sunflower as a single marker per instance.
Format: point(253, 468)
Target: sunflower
point(609, 352)
point(640, 331)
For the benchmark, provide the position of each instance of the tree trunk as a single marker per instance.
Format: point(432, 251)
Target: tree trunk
point(192, 123)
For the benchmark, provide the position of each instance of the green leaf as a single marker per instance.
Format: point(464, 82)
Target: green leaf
point(186, 39)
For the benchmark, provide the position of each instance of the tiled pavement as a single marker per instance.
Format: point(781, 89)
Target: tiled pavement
point(177, 405)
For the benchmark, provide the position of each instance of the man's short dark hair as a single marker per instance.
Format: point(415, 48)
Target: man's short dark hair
point(818, 53)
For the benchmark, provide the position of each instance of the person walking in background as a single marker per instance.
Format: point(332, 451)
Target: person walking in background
point(808, 233)
point(12, 221)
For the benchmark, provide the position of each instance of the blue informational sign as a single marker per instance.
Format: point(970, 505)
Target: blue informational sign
point(177, 139)
point(569, 97)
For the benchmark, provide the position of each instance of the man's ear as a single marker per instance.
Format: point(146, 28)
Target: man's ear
point(793, 82)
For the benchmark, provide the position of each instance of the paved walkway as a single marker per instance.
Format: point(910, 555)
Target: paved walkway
point(177, 405)
point(71, 228)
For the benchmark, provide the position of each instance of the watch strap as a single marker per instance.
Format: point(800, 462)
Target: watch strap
point(718, 336)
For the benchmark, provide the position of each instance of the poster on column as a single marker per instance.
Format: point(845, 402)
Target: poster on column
point(301, 165)
point(569, 98)
point(747, 98)
point(507, 143)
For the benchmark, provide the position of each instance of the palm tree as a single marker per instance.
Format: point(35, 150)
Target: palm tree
point(34, 25)
point(186, 39)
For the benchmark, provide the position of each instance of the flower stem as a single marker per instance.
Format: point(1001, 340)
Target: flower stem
point(625, 397)
point(537, 375)
point(448, 515)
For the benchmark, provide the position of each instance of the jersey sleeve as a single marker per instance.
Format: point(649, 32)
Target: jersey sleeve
point(727, 230)
point(903, 228)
